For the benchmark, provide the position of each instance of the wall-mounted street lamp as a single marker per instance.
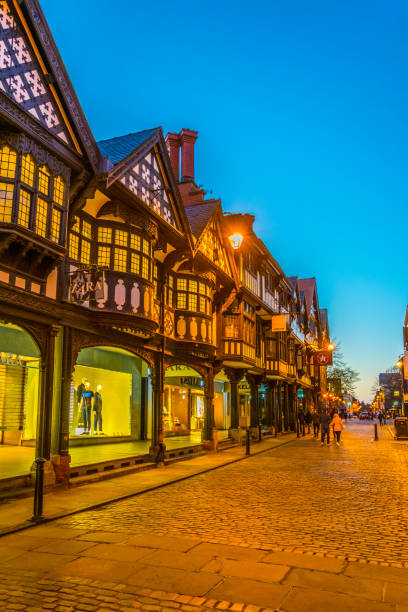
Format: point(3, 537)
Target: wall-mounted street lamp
point(236, 241)
point(331, 347)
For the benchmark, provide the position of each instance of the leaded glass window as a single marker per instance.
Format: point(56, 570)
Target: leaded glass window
point(24, 208)
point(56, 224)
point(27, 170)
point(8, 161)
point(43, 181)
point(41, 217)
point(193, 295)
point(6, 202)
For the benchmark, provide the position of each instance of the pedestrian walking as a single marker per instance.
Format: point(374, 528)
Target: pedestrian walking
point(380, 418)
point(337, 425)
point(308, 420)
point(325, 426)
point(301, 421)
point(316, 423)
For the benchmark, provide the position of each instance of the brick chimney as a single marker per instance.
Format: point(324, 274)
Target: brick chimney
point(187, 140)
point(173, 146)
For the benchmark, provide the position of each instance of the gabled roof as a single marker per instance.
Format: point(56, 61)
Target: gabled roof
point(307, 286)
point(120, 147)
point(199, 215)
point(38, 81)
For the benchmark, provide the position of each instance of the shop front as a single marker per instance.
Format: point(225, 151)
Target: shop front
point(244, 391)
point(110, 398)
point(183, 402)
point(19, 399)
point(222, 402)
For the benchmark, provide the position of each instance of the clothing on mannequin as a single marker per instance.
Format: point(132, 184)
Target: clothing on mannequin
point(86, 404)
point(98, 410)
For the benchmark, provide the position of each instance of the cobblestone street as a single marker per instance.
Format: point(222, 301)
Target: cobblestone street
point(299, 528)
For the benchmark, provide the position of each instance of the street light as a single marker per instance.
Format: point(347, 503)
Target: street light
point(236, 241)
point(331, 347)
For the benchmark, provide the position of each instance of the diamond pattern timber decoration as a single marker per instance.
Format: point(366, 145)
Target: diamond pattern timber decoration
point(21, 77)
point(145, 180)
point(212, 247)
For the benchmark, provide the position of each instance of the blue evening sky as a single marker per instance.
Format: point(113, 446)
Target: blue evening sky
point(301, 109)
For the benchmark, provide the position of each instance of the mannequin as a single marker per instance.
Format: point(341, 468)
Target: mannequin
point(98, 410)
point(86, 404)
point(77, 414)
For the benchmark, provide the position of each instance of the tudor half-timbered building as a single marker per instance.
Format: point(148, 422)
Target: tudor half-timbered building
point(129, 321)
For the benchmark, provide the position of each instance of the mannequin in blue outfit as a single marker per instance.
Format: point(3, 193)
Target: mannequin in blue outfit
point(86, 404)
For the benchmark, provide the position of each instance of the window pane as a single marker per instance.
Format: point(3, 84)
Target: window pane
point(6, 202)
point(121, 238)
point(85, 251)
point(192, 286)
point(75, 226)
point(192, 301)
point(202, 304)
point(135, 263)
point(171, 281)
point(135, 242)
point(41, 215)
point(8, 160)
point(182, 284)
point(146, 247)
point(104, 256)
point(24, 208)
point(43, 180)
point(27, 170)
point(120, 260)
point(86, 229)
point(145, 268)
point(181, 300)
point(59, 190)
point(104, 234)
point(202, 288)
point(56, 224)
point(73, 246)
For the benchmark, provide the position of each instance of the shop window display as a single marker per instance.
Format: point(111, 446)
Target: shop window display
point(183, 405)
point(19, 386)
point(106, 398)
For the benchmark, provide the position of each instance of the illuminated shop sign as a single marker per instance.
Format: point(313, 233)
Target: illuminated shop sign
point(12, 359)
point(86, 285)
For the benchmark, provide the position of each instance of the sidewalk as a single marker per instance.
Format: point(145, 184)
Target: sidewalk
point(15, 514)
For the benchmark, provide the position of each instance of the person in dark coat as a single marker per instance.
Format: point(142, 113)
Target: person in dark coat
point(308, 420)
point(316, 423)
point(325, 420)
point(301, 421)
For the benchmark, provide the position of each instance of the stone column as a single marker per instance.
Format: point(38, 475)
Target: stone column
point(234, 376)
point(157, 447)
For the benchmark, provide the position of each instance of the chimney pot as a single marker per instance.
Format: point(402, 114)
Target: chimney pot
point(173, 147)
point(187, 140)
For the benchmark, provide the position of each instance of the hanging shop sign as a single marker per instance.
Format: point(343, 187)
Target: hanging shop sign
point(86, 285)
point(279, 323)
point(323, 358)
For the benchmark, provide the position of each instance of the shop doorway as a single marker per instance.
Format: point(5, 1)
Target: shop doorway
point(222, 404)
point(183, 402)
point(110, 405)
point(19, 400)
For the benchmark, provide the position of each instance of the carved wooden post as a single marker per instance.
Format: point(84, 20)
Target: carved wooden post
point(269, 403)
point(47, 386)
point(234, 376)
point(158, 391)
point(209, 405)
point(254, 381)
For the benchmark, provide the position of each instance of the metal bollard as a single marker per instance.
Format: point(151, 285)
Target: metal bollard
point(39, 490)
point(297, 430)
point(260, 432)
point(248, 442)
point(375, 432)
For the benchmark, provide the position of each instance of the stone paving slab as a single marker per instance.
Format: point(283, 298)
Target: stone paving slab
point(325, 564)
point(243, 589)
point(396, 593)
point(367, 589)
point(170, 579)
point(265, 572)
point(377, 572)
point(314, 600)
